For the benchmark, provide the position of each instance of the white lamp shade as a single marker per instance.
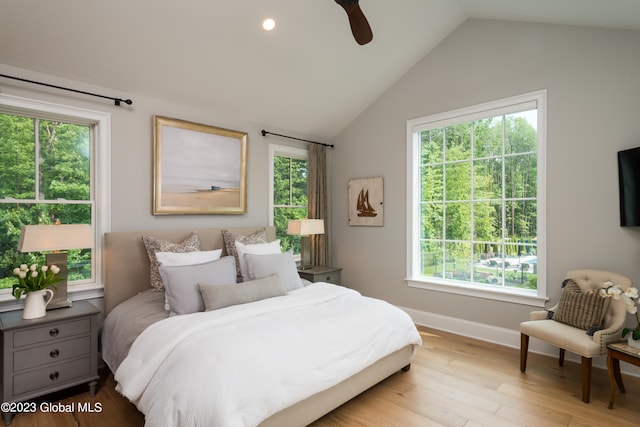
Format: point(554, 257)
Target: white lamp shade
point(305, 227)
point(36, 238)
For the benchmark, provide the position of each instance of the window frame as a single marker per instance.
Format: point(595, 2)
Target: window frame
point(276, 150)
point(100, 178)
point(537, 297)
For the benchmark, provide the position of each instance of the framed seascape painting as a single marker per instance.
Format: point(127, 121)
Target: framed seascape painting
point(198, 169)
point(366, 202)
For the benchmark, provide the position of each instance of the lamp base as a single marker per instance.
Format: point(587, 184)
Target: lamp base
point(59, 304)
point(60, 299)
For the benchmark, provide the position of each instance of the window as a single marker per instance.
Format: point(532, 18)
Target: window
point(53, 168)
point(288, 198)
point(476, 196)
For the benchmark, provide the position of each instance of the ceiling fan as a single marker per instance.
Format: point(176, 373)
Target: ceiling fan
point(359, 24)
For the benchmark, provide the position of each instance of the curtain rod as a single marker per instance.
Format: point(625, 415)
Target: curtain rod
point(266, 132)
point(117, 101)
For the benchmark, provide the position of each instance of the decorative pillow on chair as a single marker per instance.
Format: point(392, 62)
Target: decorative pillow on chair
point(181, 283)
point(584, 310)
point(153, 245)
point(219, 296)
point(230, 238)
point(259, 266)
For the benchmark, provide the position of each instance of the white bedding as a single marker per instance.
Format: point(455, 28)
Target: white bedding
point(239, 365)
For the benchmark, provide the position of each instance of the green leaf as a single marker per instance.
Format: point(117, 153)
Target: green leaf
point(16, 291)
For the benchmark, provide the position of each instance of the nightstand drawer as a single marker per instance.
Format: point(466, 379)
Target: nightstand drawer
point(53, 331)
point(51, 376)
point(322, 273)
point(329, 277)
point(51, 353)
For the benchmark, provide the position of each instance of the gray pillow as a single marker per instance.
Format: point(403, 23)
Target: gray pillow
point(259, 266)
point(219, 296)
point(181, 282)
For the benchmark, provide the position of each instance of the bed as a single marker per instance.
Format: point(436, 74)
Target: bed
point(286, 359)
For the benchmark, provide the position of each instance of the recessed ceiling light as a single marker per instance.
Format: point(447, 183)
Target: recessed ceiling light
point(268, 24)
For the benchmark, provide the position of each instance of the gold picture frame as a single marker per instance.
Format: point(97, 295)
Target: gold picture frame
point(198, 169)
point(366, 201)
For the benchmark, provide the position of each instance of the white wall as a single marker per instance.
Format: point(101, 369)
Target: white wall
point(593, 98)
point(132, 151)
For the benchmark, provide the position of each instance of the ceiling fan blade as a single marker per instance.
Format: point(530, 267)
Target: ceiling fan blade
point(359, 25)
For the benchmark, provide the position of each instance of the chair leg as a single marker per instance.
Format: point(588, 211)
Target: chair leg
point(524, 348)
point(586, 379)
point(561, 357)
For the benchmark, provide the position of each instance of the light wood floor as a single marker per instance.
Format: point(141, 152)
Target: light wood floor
point(453, 381)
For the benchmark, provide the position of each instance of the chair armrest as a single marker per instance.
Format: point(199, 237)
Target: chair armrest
point(605, 336)
point(538, 315)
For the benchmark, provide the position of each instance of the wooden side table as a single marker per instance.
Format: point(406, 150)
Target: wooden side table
point(51, 353)
point(322, 273)
point(616, 352)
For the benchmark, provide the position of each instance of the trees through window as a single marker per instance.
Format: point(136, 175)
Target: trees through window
point(47, 176)
point(475, 180)
point(289, 189)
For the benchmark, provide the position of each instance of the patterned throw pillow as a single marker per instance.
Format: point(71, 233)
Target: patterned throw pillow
point(579, 309)
point(153, 245)
point(230, 239)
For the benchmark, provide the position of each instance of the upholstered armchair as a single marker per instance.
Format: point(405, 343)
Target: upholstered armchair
point(578, 339)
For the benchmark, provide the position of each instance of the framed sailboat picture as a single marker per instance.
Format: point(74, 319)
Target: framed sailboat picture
point(366, 201)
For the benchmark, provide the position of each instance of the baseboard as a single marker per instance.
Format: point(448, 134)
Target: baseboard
point(501, 336)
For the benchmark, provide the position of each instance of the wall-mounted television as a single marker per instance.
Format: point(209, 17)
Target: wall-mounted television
point(629, 182)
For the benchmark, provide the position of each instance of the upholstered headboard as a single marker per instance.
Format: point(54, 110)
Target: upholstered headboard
point(126, 263)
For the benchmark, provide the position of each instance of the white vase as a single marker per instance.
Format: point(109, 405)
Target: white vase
point(633, 343)
point(35, 305)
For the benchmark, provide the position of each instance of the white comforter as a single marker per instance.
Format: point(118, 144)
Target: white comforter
point(239, 365)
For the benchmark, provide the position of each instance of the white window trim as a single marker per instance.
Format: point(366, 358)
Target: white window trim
point(101, 180)
point(536, 297)
point(286, 151)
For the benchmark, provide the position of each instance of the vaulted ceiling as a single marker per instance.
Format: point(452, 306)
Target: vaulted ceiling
point(307, 75)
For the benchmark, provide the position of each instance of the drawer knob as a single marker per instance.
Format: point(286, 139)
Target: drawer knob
point(54, 353)
point(54, 332)
point(54, 375)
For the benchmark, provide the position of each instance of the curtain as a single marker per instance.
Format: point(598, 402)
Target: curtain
point(317, 195)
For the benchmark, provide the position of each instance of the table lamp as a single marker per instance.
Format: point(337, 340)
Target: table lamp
point(305, 228)
point(39, 238)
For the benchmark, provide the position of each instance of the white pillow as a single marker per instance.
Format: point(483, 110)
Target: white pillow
point(188, 258)
point(260, 266)
point(185, 258)
point(181, 282)
point(258, 249)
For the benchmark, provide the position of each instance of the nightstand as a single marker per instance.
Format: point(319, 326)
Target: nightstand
point(322, 273)
point(51, 353)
